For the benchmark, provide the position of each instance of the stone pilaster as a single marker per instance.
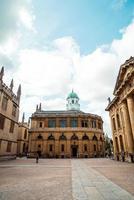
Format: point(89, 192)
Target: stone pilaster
point(57, 147)
point(80, 148)
point(128, 130)
point(123, 130)
point(68, 148)
point(68, 122)
point(79, 122)
point(57, 122)
point(114, 143)
point(130, 103)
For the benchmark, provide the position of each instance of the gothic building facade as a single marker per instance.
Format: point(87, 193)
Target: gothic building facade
point(66, 134)
point(121, 111)
point(23, 137)
point(9, 114)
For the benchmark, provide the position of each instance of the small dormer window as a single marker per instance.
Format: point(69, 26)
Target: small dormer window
point(72, 101)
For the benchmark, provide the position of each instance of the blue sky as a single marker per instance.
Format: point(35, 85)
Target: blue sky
point(90, 22)
point(52, 46)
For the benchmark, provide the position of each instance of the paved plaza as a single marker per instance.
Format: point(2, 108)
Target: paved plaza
point(66, 179)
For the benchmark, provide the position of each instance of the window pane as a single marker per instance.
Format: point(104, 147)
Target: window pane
point(84, 123)
point(74, 123)
point(4, 103)
point(14, 110)
point(63, 123)
point(2, 121)
point(11, 127)
point(51, 123)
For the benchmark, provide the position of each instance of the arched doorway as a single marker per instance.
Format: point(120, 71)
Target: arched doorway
point(74, 149)
point(74, 146)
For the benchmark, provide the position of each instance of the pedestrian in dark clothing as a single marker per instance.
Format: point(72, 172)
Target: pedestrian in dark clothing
point(37, 158)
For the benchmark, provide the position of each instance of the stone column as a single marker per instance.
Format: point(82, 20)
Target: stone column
point(128, 130)
point(123, 129)
point(114, 143)
point(130, 103)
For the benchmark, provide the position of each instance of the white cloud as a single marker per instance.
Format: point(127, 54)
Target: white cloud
point(27, 19)
point(47, 76)
point(14, 16)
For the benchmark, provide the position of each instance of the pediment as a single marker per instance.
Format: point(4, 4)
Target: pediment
point(124, 72)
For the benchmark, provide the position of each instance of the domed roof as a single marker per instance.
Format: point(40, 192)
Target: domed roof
point(72, 95)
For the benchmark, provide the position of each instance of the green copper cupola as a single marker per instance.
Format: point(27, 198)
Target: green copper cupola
point(73, 101)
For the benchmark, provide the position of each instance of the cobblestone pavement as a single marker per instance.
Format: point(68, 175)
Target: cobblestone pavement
point(66, 179)
point(89, 184)
point(26, 180)
point(118, 172)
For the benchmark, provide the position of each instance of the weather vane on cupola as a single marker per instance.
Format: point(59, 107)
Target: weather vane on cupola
point(73, 101)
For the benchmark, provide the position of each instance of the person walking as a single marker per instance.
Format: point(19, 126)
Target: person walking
point(37, 157)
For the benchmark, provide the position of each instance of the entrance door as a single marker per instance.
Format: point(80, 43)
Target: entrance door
point(74, 151)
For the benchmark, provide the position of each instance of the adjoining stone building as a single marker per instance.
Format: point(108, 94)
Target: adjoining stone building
point(23, 138)
point(68, 133)
point(9, 114)
point(121, 111)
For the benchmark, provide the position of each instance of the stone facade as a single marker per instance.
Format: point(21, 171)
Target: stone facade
point(23, 138)
point(121, 111)
point(9, 114)
point(69, 133)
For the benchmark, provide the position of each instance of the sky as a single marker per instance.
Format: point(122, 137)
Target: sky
point(54, 46)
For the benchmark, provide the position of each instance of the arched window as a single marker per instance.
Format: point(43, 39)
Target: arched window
point(118, 120)
point(100, 138)
point(39, 137)
point(116, 143)
point(94, 138)
point(85, 137)
point(114, 126)
point(74, 137)
point(51, 137)
point(62, 137)
point(121, 143)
